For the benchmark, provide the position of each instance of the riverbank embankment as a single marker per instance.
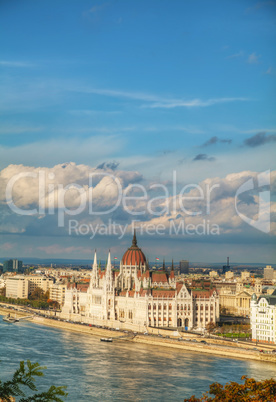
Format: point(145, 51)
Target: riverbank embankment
point(211, 347)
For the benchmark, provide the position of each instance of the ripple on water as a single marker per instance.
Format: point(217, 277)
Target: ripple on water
point(120, 371)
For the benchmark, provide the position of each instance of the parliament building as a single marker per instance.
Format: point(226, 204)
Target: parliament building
point(136, 298)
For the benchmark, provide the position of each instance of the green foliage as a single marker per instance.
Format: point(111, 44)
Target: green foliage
point(250, 391)
point(42, 304)
point(24, 377)
point(53, 303)
point(38, 294)
point(235, 335)
point(235, 331)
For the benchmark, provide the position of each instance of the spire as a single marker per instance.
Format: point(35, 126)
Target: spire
point(108, 259)
point(172, 272)
point(108, 273)
point(134, 240)
point(94, 275)
point(95, 259)
point(164, 268)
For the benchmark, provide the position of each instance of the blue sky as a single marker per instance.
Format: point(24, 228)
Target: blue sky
point(154, 86)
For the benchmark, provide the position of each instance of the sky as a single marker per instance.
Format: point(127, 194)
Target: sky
point(179, 95)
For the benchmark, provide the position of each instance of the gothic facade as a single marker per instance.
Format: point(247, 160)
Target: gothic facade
point(136, 298)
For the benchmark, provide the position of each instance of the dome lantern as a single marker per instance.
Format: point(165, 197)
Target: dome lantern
point(134, 255)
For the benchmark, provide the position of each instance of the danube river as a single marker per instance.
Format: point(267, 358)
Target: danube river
point(118, 371)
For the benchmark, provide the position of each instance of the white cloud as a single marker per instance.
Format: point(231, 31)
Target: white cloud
point(269, 71)
point(193, 103)
point(92, 112)
point(222, 205)
point(253, 58)
point(56, 249)
point(258, 130)
point(19, 129)
point(104, 193)
point(235, 55)
point(6, 63)
point(104, 189)
point(48, 152)
point(7, 246)
point(155, 101)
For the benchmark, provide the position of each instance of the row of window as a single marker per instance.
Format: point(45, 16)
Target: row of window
point(201, 319)
point(160, 307)
point(159, 313)
point(181, 307)
point(159, 319)
point(206, 307)
point(122, 314)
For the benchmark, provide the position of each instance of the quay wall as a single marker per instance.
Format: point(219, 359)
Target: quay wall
point(232, 352)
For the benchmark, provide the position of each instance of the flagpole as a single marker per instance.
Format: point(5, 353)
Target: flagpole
point(156, 262)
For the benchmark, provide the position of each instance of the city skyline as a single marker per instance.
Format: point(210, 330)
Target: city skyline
point(144, 92)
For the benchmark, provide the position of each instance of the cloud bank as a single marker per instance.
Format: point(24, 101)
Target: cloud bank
point(148, 203)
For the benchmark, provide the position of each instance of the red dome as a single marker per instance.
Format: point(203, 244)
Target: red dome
point(134, 255)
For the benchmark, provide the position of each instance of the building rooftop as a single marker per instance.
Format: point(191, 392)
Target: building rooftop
point(270, 298)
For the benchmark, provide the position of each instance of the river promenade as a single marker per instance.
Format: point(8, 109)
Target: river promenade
point(163, 339)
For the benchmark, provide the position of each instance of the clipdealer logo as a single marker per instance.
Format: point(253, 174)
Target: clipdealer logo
point(191, 201)
point(262, 222)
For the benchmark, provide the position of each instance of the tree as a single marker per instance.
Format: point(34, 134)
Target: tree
point(37, 294)
point(210, 327)
point(53, 303)
point(250, 391)
point(24, 377)
point(223, 310)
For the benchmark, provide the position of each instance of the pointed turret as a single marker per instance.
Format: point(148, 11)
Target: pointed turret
point(134, 240)
point(172, 272)
point(108, 259)
point(94, 274)
point(95, 260)
point(108, 273)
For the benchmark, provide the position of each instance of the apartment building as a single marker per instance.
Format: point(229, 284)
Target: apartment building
point(17, 287)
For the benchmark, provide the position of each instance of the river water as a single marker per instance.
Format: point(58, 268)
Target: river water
point(118, 371)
